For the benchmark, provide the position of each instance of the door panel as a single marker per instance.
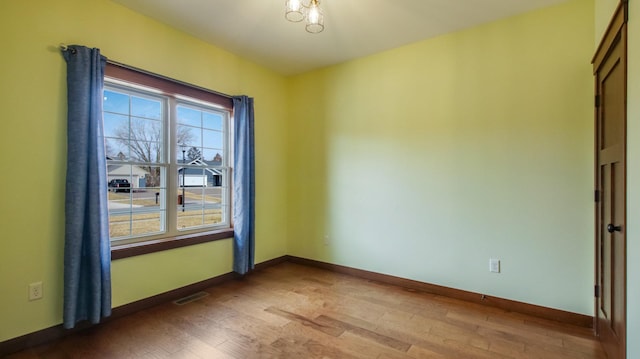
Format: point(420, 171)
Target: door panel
point(612, 94)
point(605, 246)
point(610, 74)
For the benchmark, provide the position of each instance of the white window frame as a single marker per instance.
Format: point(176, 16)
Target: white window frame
point(168, 205)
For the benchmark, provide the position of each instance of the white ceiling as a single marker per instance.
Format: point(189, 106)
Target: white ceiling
point(257, 29)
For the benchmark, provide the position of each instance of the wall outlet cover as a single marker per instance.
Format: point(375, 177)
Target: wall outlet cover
point(494, 265)
point(35, 291)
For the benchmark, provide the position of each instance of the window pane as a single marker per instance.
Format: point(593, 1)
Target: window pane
point(145, 130)
point(211, 120)
point(145, 143)
point(115, 102)
point(117, 149)
point(116, 125)
point(212, 157)
point(188, 137)
point(146, 223)
point(119, 224)
point(212, 139)
point(147, 108)
point(199, 197)
point(154, 178)
point(191, 155)
point(146, 151)
point(194, 153)
point(213, 216)
point(189, 116)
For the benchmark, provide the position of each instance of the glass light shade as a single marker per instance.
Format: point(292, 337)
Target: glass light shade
point(315, 19)
point(294, 10)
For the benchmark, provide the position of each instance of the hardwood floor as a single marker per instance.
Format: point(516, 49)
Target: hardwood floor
point(295, 311)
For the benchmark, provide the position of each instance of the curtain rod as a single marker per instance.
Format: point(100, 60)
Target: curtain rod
point(64, 47)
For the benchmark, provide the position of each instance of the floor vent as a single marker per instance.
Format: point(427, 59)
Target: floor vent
point(190, 298)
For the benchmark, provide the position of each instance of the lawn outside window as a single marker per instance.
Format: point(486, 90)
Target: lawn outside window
point(168, 162)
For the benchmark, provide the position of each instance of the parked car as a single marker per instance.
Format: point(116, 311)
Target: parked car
point(119, 185)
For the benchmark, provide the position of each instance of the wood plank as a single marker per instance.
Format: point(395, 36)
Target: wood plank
point(324, 328)
point(365, 333)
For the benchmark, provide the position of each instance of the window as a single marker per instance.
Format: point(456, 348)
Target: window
point(168, 158)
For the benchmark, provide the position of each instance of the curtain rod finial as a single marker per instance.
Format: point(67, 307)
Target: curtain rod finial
point(64, 47)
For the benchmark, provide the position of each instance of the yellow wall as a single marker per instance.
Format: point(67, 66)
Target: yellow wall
point(33, 149)
point(425, 161)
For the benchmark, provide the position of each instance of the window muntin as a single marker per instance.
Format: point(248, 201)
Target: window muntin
point(140, 130)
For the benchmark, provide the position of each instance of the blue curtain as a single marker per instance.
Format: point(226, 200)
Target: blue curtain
point(243, 186)
point(87, 252)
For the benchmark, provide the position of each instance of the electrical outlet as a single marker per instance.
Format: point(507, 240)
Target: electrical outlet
point(326, 239)
point(35, 291)
point(494, 265)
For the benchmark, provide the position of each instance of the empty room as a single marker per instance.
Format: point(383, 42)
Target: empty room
point(320, 179)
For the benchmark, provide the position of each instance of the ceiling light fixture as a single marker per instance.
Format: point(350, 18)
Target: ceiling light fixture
point(296, 11)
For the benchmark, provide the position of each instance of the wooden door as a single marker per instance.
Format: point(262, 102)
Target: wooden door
point(610, 155)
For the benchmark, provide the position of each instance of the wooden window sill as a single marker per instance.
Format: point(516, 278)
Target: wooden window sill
point(146, 247)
